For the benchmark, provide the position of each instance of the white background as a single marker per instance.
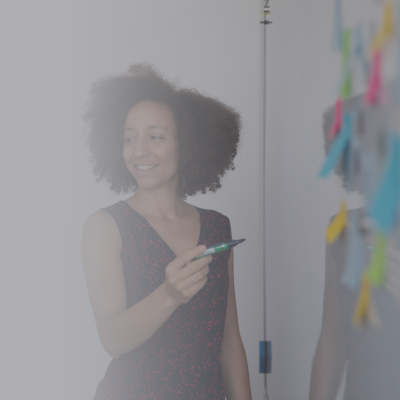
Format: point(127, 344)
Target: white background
point(51, 54)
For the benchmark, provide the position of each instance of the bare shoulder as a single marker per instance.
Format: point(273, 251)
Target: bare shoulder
point(102, 264)
point(102, 223)
point(101, 231)
point(100, 219)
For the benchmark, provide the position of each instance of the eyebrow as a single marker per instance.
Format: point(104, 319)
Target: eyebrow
point(158, 127)
point(152, 126)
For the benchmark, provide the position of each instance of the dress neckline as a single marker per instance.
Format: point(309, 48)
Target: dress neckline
point(199, 210)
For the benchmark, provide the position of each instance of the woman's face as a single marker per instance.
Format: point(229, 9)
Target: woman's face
point(150, 145)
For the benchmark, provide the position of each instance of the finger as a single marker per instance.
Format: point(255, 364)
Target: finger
point(177, 277)
point(192, 290)
point(187, 256)
point(192, 279)
point(194, 267)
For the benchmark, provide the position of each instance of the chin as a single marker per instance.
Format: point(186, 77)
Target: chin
point(153, 185)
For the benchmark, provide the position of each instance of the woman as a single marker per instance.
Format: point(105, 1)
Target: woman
point(169, 323)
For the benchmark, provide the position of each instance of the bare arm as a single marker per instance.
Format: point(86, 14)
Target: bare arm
point(123, 329)
point(330, 356)
point(233, 359)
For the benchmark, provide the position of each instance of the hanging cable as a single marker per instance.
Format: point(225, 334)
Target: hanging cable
point(265, 347)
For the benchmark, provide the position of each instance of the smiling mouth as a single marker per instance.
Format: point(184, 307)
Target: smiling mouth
point(145, 167)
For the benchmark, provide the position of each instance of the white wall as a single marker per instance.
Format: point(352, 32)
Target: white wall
point(27, 217)
point(210, 45)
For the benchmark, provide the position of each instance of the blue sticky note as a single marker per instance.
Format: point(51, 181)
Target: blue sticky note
point(368, 175)
point(356, 256)
point(359, 49)
point(337, 37)
point(338, 146)
point(385, 202)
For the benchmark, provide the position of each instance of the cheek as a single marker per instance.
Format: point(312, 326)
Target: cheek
point(169, 154)
point(125, 154)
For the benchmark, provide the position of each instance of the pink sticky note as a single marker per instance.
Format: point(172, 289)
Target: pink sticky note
point(337, 122)
point(374, 90)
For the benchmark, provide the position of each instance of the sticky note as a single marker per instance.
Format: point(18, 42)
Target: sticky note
point(337, 225)
point(337, 121)
point(359, 49)
point(337, 27)
point(368, 175)
point(346, 47)
point(397, 92)
point(363, 302)
point(377, 268)
point(338, 146)
point(346, 88)
point(346, 85)
point(359, 42)
point(393, 276)
point(388, 20)
point(387, 29)
point(374, 89)
point(384, 206)
point(356, 254)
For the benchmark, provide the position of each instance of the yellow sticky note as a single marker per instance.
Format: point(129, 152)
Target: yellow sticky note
point(337, 225)
point(363, 306)
point(388, 21)
point(377, 267)
point(387, 29)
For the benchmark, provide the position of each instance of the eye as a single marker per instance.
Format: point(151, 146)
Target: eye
point(129, 139)
point(155, 138)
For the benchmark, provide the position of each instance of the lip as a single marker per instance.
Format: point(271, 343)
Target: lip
point(145, 165)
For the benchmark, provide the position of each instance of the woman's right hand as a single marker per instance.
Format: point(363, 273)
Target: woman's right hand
point(123, 329)
point(184, 277)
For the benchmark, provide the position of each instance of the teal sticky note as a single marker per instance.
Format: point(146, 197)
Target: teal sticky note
point(385, 202)
point(368, 175)
point(356, 254)
point(338, 147)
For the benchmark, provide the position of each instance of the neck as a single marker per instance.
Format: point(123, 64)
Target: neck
point(161, 203)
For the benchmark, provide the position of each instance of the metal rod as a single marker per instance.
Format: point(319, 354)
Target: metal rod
point(264, 74)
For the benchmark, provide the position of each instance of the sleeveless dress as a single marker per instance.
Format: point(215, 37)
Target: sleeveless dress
point(181, 360)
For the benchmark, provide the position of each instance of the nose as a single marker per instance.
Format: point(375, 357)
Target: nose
point(141, 148)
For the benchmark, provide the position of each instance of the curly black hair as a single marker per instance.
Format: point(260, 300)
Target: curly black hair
point(208, 131)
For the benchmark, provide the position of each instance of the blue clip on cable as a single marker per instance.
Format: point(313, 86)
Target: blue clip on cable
point(265, 357)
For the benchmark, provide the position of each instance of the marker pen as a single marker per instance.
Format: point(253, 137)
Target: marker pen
point(217, 248)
